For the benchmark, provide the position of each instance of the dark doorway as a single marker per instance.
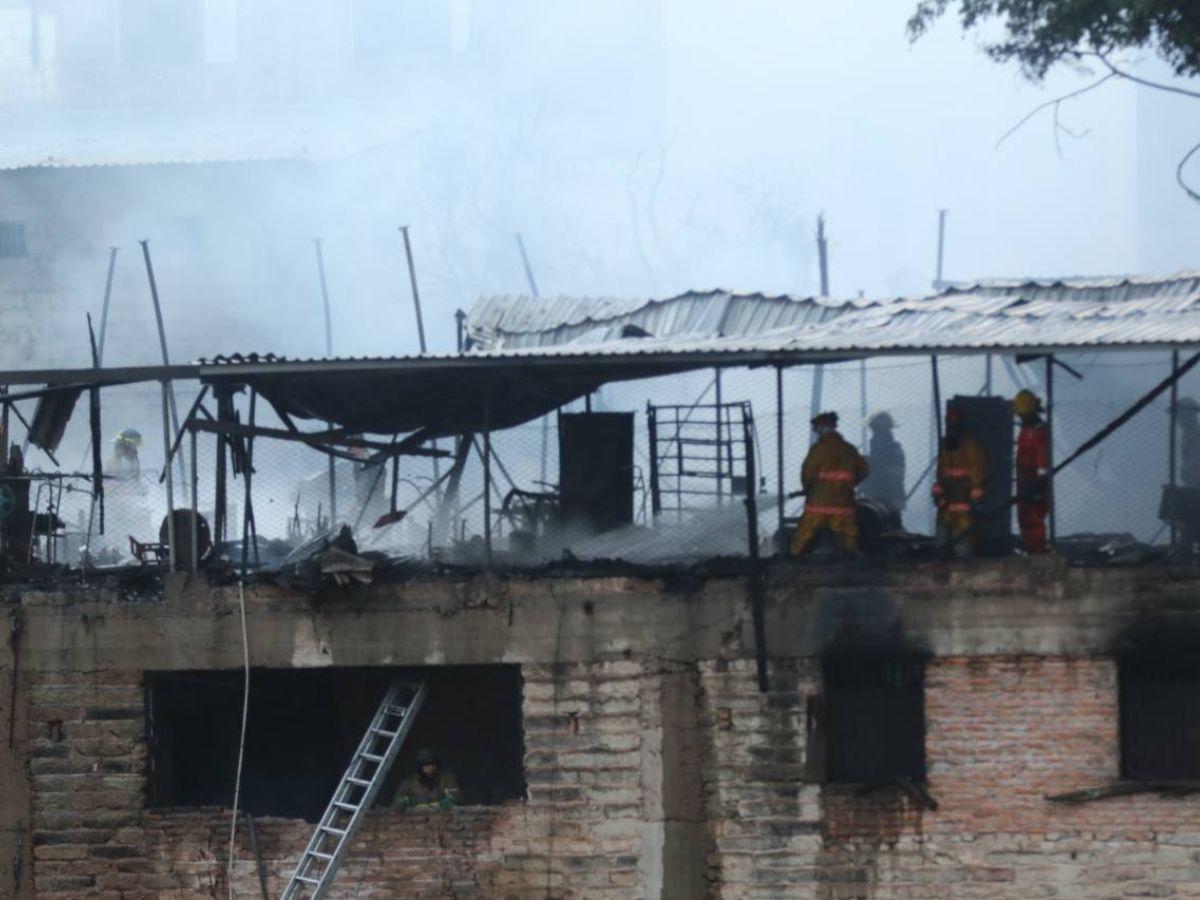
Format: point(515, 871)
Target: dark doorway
point(303, 726)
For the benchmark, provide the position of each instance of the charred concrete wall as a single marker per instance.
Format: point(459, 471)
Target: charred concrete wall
point(655, 768)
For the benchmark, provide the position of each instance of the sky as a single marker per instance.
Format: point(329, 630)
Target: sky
point(640, 148)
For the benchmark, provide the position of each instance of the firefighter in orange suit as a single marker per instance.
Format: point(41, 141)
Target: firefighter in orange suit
point(1033, 472)
point(958, 488)
point(829, 475)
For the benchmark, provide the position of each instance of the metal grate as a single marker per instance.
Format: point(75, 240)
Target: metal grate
point(875, 714)
point(1160, 719)
point(700, 455)
point(12, 240)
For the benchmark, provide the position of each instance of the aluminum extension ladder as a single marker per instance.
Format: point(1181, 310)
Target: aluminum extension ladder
point(356, 791)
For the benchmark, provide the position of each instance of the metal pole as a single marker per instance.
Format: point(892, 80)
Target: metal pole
point(324, 297)
point(487, 477)
point(941, 250)
point(1050, 444)
point(720, 447)
point(460, 319)
point(937, 398)
point(779, 462)
point(412, 279)
point(987, 375)
point(112, 264)
point(862, 401)
point(528, 269)
point(166, 425)
point(1173, 437)
point(195, 507)
point(823, 255)
point(329, 354)
point(162, 342)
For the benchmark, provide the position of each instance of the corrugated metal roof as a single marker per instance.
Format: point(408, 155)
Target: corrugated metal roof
point(993, 313)
point(512, 322)
point(1112, 288)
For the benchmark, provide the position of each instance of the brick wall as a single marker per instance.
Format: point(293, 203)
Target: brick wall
point(1002, 734)
point(612, 754)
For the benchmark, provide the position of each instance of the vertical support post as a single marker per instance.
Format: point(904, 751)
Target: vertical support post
point(220, 500)
point(460, 325)
point(862, 401)
point(1173, 436)
point(328, 354)
point(1050, 445)
point(195, 548)
point(757, 600)
point(818, 371)
point(533, 289)
point(652, 430)
point(324, 297)
point(162, 342)
point(487, 475)
point(108, 281)
point(779, 461)
point(937, 397)
point(412, 280)
point(248, 477)
point(166, 427)
point(720, 446)
point(987, 375)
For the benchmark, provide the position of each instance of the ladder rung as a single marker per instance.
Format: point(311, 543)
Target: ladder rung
point(307, 880)
point(358, 781)
point(384, 733)
point(319, 855)
point(371, 757)
point(397, 710)
point(332, 830)
point(348, 807)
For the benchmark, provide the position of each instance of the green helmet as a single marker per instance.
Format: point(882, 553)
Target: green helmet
point(425, 756)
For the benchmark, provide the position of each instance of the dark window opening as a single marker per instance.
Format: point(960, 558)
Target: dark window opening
point(12, 240)
point(304, 725)
point(874, 719)
point(157, 33)
point(1159, 718)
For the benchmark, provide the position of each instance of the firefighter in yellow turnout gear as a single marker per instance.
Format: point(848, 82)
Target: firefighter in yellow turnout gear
point(829, 475)
point(958, 489)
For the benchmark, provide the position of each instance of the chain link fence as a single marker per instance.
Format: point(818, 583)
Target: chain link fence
point(296, 495)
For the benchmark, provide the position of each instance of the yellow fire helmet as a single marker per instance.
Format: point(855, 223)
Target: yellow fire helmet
point(1026, 403)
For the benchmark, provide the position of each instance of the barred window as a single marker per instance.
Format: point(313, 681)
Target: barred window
point(875, 719)
point(1160, 718)
point(12, 239)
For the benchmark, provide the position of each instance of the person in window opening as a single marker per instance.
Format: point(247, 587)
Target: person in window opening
point(1033, 472)
point(429, 787)
point(886, 460)
point(831, 471)
point(124, 460)
point(958, 488)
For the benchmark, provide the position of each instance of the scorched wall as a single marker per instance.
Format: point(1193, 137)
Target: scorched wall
point(654, 765)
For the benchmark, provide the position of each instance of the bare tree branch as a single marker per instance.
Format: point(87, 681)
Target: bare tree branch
point(1055, 104)
point(1179, 173)
point(1145, 82)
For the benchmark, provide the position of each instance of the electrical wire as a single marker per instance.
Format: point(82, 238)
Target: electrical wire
point(237, 783)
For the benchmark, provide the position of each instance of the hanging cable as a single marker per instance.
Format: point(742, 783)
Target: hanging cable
point(237, 782)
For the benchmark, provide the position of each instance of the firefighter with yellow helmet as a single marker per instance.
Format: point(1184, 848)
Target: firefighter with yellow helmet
point(831, 471)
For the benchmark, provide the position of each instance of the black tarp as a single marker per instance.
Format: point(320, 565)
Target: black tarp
point(442, 400)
